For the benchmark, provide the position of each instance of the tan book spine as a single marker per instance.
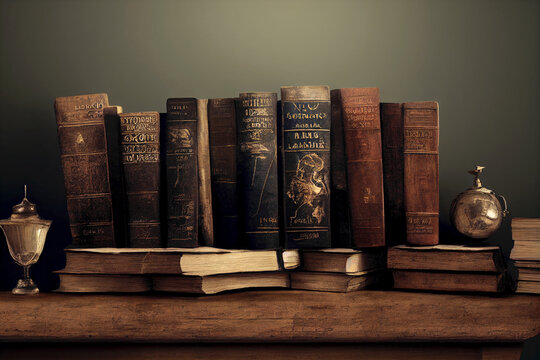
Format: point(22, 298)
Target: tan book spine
point(206, 224)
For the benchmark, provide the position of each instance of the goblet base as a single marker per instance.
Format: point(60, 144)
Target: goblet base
point(25, 287)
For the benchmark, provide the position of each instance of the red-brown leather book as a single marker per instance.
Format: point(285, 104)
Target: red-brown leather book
point(222, 129)
point(140, 134)
point(362, 134)
point(392, 152)
point(421, 171)
point(84, 152)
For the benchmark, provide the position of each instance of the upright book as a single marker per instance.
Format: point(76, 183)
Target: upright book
point(182, 173)
point(222, 130)
point(421, 172)
point(86, 150)
point(362, 136)
point(392, 155)
point(257, 169)
point(140, 134)
point(206, 224)
point(306, 165)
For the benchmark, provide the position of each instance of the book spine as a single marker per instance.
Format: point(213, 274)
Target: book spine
point(116, 177)
point(392, 154)
point(339, 196)
point(84, 154)
point(182, 173)
point(306, 165)
point(257, 169)
point(362, 133)
point(222, 130)
point(141, 167)
point(421, 172)
point(206, 224)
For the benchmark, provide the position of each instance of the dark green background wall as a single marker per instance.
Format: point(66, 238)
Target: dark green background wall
point(479, 59)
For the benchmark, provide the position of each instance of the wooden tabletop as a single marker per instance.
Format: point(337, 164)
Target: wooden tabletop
point(270, 316)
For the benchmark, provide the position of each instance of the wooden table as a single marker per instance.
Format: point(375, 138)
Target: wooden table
point(299, 324)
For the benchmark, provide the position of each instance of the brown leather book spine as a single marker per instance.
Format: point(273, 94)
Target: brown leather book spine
point(392, 153)
point(222, 129)
point(339, 204)
point(206, 223)
point(85, 162)
point(141, 166)
point(362, 132)
point(306, 165)
point(449, 281)
point(257, 169)
point(421, 172)
point(182, 173)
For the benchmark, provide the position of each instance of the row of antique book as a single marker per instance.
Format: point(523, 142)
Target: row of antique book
point(206, 270)
point(317, 169)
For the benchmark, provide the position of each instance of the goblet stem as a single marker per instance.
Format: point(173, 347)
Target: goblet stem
point(26, 270)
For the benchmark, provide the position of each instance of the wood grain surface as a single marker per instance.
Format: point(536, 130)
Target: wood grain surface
point(270, 316)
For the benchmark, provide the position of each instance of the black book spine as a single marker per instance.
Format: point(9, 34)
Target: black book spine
point(257, 169)
point(182, 173)
point(306, 165)
point(223, 149)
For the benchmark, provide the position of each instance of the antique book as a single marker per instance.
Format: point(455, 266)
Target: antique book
point(339, 196)
point(528, 287)
point(332, 282)
point(306, 166)
point(140, 133)
point(527, 264)
point(447, 257)
point(182, 173)
point(116, 174)
point(392, 156)
point(347, 261)
point(449, 281)
point(95, 283)
point(526, 229)
point(257, 169)
point(421, 172)
point(213, 284)
point(526, 250)
point(529, 274)
point(206, 224)
point(190, 261)
point(222, 131)
point(362, 135)
point(87, 150)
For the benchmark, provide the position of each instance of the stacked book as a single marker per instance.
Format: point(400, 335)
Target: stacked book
point(338, 270)
point(526, 254)
point(448, 268)
point(203, 270)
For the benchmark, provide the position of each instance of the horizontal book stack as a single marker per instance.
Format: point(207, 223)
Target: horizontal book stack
point(338, 270)
point(526, 254)
point(203, 270)
point(448, 268)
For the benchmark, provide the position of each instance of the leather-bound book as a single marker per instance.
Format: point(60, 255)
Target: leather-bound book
point(421, 172)
point(206, 224)
point(339, 197)
point(257, 169)
point(392, 152)
point(85, 156)
point(362, 134)
point(306, 165)
point(182, 173)
point(141, 167)
point(222, 130)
